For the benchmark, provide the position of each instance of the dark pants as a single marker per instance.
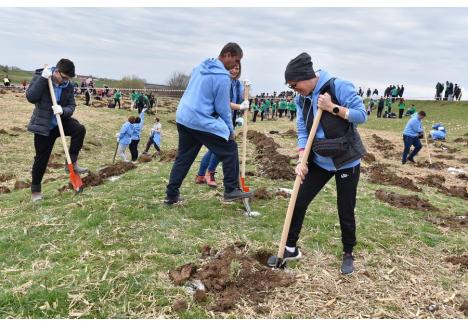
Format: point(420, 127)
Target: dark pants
point(190, 142)
point(151, 142)
point(379, 112)
point(261, 115)
point(88, 98)
point(134, 149)
point(346, 185)
point(281, 113)
point(44, 145)
point(293, 114)
point(115, 104)
point(255, 116)
point(400, 113)
point(140, 107)
point(411, 141)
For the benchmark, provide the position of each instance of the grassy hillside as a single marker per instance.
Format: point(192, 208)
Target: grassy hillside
point(107, 252)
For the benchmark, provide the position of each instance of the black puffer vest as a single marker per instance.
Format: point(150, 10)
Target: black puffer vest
point(343, 143)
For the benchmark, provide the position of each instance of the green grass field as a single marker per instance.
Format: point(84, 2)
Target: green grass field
point(107, 252)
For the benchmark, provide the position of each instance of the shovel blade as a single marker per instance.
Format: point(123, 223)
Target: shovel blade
point(244, 187)
point(75, 179)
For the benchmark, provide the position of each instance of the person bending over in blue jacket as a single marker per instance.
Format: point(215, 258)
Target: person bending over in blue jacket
point(43, 122)
point(124, 137)
point(411, 135)
point(337, 150)
point(204, 117)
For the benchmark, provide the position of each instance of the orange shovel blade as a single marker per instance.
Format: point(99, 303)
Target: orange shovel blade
point(244, 187)
point(75, 179)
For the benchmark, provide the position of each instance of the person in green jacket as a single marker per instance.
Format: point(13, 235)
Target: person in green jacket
point(274, 107)
point(133, 98)
point(282, 108)
point(117, 97)
point(255, 110)
point(292, 109)
point(411, 110)
point(401, 108)
point(388, 104)
point(267, 108)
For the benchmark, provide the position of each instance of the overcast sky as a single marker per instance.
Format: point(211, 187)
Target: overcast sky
point(371, 47)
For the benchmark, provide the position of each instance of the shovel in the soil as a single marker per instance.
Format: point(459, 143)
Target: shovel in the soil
point(115, 152)
point(74, 178)
point(297, 184)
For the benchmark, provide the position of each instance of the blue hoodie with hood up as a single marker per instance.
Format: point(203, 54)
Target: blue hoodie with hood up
point(205, 103)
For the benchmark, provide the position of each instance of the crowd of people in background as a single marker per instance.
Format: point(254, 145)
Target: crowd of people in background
point(452, 92)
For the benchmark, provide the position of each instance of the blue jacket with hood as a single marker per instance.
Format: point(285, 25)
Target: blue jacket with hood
point(205, 103)
point(138, 126)
point(347, 96)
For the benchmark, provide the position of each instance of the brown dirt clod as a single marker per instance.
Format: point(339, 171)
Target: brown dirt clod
point(262, 193)
point(432, 180)
point(180, 305)
point(458, 260)
point(4, 190)
point(369, 157)
point(182, 273)
point(380, 174)
point(6, 177)
point(200, 296)
point(404, 201)
point(144, 158)
point(21, 185)
point(452, 222)
point(168, 156)
point(464, 307)
point(233, 275)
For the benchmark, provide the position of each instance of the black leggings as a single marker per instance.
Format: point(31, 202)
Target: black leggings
point(134, 149)
point(346, 185)
point(151, 142)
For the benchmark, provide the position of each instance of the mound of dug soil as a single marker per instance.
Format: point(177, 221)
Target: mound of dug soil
point(6, 177)
point(4, 190)
point(369, 158)
point(384, 145)
point(290, 133)
point(168, 156)
point(446, 148)
point(451, 222)
point(461, 140)
point(404, 201)
point(432, 180)
point(231, 276)
point(434, 165)
point(262, 193)
point(444, 157)
point(458, 260)
point(455, 191)
point(144, 158)
point(380, 174)
point(96, 179)
point(462, 176)
point(21, 184)
point(271, 163)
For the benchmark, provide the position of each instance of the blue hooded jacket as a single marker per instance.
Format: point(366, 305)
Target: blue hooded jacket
point(138, 126)
point(413, 127)
point(347, 96)
point(205, 103)
point(125, 134)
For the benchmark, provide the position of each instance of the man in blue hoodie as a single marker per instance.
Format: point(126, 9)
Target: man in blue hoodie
point(411, 135)
point(336, 152)
point(204, 117)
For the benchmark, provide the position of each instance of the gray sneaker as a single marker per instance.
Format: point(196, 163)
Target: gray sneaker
point(77, 169)
point(36, 196)
point(236, 195)
point(347, 266)
point(287, 256)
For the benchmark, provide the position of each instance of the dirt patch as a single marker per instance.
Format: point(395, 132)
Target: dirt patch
point(18, 129)
point(207, 251)
point(182, 274)
point(6, 177)
point(464, 308)
point(458, 260)
point(283, 194)
point(445, 157)
point(452, 222)
point(273, 132)
point(96, 179)
point(461, 140)
point(384, 145)
point(94, 143)
point(21, 185)
point(92, 180)
point(464, 160)
point(404, 201)
point(180, 305)
point(168, 156)
point(446, 148)
point(54, 165)
point(290, 133)
point(270, 163)
point(462, 176)
point(380, 174)
point(232, 276)
point(432, 180)
point(145, 158)
point(433, 165)
point(369, 158)
point(262, 193)
point(4, 190)
point(455, 191)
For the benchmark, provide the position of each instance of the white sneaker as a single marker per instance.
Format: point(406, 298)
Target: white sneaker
point(36, 196)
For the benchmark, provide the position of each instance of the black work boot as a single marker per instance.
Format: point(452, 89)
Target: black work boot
point(172, 200)
point(347, 266)
point(236, 194)
point(287, 256)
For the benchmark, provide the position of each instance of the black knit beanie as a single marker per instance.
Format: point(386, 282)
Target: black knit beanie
point(299, 68)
